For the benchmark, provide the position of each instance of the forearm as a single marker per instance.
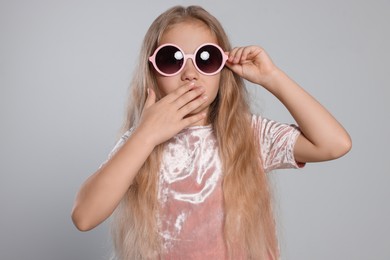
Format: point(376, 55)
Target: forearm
point(102, 191)
point(323, 137)
point(326, 137)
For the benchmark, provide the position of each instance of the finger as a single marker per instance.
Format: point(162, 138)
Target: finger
point(235, 55)
point(189, 96)
point(171, 97)
point(191, 106)
point(150, 99)
point(238, 56)
point(232, 54)
point(250, 53)
point(193, 119)
point(244, 55)
point(231, 64)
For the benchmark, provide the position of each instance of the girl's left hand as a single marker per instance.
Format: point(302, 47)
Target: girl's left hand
point(251, 63)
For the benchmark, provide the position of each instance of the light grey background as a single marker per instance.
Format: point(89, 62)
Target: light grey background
point(65, 67)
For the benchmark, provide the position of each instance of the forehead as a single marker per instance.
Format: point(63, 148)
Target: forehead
point(188, 35)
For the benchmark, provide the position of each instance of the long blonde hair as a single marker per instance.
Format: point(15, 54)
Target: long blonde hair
point(248, 220)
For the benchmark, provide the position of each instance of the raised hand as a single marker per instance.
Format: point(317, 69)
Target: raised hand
point(322, 138)
point(163, 119)
point(251, 63)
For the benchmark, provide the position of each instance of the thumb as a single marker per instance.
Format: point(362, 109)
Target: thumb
point(150, 99)
point(236, 68)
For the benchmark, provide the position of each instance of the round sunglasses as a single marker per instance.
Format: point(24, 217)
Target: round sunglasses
point(169, 59)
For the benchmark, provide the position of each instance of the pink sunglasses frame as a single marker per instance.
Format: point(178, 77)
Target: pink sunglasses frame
point(152, 59)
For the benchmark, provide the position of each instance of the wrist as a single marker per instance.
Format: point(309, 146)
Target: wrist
point(274, 80)
point(144, 139)
point(271, 77)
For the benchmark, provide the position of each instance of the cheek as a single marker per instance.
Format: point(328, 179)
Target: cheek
point(165, 84)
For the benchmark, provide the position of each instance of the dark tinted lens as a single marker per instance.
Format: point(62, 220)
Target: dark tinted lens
point(209, 59)
point(169, 59)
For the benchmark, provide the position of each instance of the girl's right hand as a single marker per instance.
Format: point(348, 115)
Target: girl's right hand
point(163, 119)
point(101, 193)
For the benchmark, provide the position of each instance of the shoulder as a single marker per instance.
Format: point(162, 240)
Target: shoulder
point(266, 125)
point(260, 123)
point(277, 141)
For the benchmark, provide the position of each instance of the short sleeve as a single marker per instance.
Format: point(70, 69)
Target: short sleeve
point(276, 142)
point(118, 145)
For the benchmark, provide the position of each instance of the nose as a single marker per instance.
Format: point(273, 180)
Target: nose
point(189, 71)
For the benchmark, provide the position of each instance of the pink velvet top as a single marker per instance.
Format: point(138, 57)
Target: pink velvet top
point(190, 220)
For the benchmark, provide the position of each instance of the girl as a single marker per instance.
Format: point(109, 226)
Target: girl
point(188, 178)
